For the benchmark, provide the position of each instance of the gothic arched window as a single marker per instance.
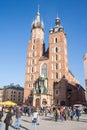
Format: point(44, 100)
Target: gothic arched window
point(55, 40)
point(44, 70)
point(56, 66)
point(56, 49)
point(56, 75)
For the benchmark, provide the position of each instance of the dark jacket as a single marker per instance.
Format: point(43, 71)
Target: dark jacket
point(1, 115)
point(8, 118)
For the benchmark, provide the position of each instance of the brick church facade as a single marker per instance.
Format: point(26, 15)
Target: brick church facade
point(48, 79)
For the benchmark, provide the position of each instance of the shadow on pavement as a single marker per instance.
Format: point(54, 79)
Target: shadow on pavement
point(49, 119)
point(23, 127)
point(12, 126)
point(83, 120)
point(26, 121)
point(20, 127)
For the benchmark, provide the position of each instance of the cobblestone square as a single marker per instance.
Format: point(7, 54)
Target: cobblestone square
point(47, 123)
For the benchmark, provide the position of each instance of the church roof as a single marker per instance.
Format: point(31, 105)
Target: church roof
point(43, 58)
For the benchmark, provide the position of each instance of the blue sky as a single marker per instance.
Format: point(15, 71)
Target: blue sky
point(16, 17)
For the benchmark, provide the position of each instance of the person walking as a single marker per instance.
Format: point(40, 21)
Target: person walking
point(78, 113)
point(34, 119)
point(18, 117)
point(8, 119)
point(29, 110)
point(56, 114)
point(71, 113)
point(1, 115)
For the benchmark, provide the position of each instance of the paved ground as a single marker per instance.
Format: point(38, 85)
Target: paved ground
point(46, 123)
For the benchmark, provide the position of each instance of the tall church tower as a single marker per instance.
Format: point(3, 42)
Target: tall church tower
point(58, 60)
point(85, 69)
point(34, 52)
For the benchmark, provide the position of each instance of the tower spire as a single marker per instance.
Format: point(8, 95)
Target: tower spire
point(37, 23)
point(38, 8)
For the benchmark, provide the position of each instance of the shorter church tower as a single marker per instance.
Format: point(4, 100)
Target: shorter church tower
point(58, 61)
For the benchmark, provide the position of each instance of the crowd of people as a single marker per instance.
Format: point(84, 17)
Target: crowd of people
point(57, 113)
point(64, 113)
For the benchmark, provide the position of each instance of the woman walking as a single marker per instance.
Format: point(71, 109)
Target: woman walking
point(8, 119)
point(34, 119)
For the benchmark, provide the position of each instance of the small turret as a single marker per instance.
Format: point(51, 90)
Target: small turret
point(57, 22)
point(57, 27)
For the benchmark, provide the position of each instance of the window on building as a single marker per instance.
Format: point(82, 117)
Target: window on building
point(56, 75)
point(56, 66)
point(32, 77)
point(55, 40)
point(33, 61)
point(44, 70)
point(33, 54)
point(56, 92)
point(32, 69)
point(28, 86)
point(33, 47)
point(56, 49)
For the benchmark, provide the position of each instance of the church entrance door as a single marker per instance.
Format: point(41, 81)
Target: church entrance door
point(37, 103)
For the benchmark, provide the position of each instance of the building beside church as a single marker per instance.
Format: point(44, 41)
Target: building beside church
point(13, 93)
point(1, 94)
point(48, 79)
